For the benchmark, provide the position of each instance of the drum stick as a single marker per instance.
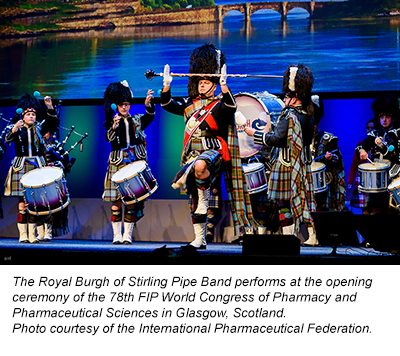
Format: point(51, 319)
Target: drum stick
point(370, 161)
point(322, 155)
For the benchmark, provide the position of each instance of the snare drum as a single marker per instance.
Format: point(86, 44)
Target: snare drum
point(45, 190)
point(134, 182)
point(261, 111)
point(373, 177)
point(319, 177)
point(256, 178)
point(394, 190)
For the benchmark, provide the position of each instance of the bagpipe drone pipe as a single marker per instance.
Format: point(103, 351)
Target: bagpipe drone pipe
point(57, 154)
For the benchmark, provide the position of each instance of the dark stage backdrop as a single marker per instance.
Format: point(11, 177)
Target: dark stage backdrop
point(344, 117)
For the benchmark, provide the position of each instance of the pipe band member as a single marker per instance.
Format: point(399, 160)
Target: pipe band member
point(29, 154)
point(325, 147)
point(128, 144)
point(383, 143)
point(210, 141)
point(290, 182)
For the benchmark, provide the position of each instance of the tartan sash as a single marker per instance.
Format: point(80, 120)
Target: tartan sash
point(235, 182)
point(302, 201)
point(205, 112)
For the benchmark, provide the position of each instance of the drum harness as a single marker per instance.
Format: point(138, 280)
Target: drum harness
point(395, 169)
point(284, 154)
point(19, 161)
point(134, 152)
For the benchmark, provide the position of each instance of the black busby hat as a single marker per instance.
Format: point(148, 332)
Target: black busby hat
point(386, 104)
point(298, 81)
point(26, 102)
point(207, 59)
point(50, 124)
point(116, 93)
point(318, 108)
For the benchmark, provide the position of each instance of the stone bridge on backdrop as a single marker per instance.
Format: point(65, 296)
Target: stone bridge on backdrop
point(283, 7)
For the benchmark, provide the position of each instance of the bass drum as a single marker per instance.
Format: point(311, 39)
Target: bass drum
point(261, 110)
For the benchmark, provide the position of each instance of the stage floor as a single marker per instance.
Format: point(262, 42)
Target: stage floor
point(72, 252)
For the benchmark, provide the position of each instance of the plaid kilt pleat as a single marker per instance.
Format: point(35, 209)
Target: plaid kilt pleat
point(110, 192)
point(14, 178)
point(196, 145)
point(279, 182)
point(358, 199)
point(215, 166)
point(214, 201)
point(368, 200)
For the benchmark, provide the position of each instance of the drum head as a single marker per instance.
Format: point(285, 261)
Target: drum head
point(256, 109)
point(39, 176)
point(129, 171)
point(273, 105)
point(252, 167)
point(373, 167)
point(316, 166)
point(256, 116)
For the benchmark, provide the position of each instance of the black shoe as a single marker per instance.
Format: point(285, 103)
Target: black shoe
point(209, 238)
point(238, 241)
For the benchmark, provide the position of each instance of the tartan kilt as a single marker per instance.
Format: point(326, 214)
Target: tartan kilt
point(279, 182)
point(358, 199)
point(368, 200)
point(110, 192)
point(215, 166)
point(214, 201)
point(13, 179)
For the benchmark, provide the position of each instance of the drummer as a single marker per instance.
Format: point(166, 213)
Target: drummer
point(29, 154)
point(128, 144)
point(290, 182)
point(55, 224)
point(384, 142)
point(325, 149)
point(210, 144)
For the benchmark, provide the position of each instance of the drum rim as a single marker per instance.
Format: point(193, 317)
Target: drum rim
point(141, 198)
point(374, 190)
point(51, 211)
point(133, 175)
point(322, 165)
point(261, 165)
point(262, 104)
point(321, 190)
point(43, 184)
point(261, 188)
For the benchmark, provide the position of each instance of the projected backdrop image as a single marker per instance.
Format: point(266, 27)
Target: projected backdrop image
point(350, 55)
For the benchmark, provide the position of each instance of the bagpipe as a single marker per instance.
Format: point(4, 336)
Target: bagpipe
point(57, 154)
point(7, 127)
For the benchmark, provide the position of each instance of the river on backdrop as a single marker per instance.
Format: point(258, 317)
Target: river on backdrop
point(356, 55)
